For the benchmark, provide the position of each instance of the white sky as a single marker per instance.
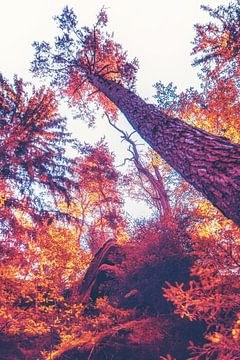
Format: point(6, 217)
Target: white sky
point(157, 32)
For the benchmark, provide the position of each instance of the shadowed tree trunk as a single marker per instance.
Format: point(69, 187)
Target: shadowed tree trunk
point(99, 263)
point(210, 163)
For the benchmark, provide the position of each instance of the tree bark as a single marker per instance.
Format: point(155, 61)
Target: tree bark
point(210, 163)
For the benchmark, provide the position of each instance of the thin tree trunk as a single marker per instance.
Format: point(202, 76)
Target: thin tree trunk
point(210, 163)
point(160, 199)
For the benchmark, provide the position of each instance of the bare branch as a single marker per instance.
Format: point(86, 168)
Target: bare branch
point(104, 67)
point(161, 199)
point(93, 93)
point(124, 162)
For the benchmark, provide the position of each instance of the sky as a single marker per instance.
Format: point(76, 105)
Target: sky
point(157, 32)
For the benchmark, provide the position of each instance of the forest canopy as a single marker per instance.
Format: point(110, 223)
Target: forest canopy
point(79, 277)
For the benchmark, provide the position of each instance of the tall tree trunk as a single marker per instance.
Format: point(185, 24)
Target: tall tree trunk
point(210, 163)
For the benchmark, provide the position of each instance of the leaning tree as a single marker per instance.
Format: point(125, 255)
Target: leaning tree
point(88, 66)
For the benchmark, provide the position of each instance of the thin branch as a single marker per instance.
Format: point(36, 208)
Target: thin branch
point(104, 67)
point(133, 132)
point(124, 162)
point(94, 92)
point(78, 33)
point(79, 86)
point(89, 63)
point(91, 352)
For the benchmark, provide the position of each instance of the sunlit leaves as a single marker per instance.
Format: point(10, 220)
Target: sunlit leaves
point(213, 295)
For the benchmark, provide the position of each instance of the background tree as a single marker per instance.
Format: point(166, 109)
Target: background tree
point(32, 146)
point(53, 210)
point(216, 44)
point(97, 203)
